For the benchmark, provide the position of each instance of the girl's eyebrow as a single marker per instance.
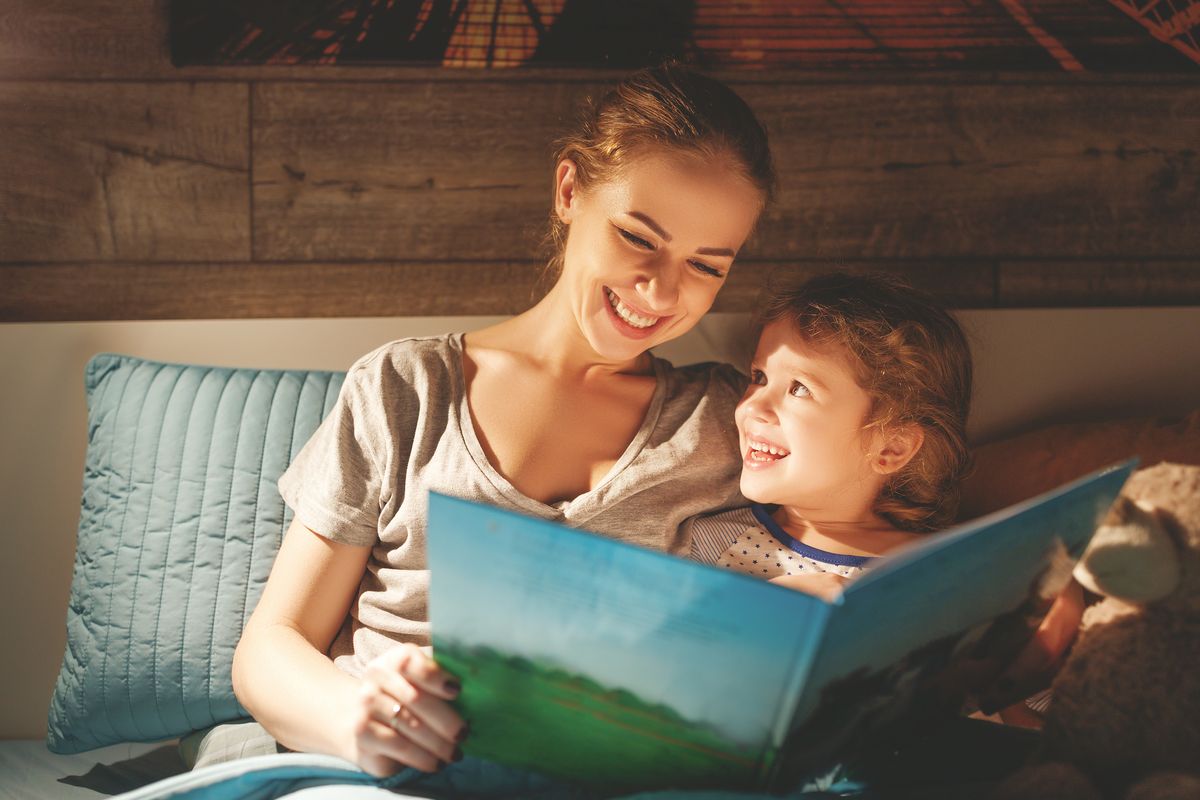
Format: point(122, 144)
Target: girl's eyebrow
point(810, 378)
point(807, 377)
point(666, 237)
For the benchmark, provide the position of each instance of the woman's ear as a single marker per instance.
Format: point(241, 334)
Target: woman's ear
point(897, 447)
point(565, 196)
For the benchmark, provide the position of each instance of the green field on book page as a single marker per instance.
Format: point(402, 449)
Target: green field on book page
point(609, 736)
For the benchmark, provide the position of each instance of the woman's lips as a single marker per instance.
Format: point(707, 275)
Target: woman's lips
point(623, 327)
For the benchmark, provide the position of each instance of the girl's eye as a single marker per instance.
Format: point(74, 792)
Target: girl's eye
point(636, 241)
point(706, 269)
point(799, 390)
point(757, 377)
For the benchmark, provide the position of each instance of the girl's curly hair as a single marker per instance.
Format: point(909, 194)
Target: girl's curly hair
point(912, 359)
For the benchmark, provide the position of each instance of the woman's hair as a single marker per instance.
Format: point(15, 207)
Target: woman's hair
point(912, 359)
point(668, 107)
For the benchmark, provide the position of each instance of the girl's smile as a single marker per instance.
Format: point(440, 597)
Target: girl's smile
point(761, 454)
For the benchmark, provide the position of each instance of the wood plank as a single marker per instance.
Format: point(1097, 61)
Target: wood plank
point(127, 291)
point(958, 283)
point(460, 171)
point(985, 171)
point(138, 171)
point(1028, 284)
point(404, 171)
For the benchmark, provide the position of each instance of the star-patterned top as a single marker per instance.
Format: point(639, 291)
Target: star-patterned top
point(750, 541)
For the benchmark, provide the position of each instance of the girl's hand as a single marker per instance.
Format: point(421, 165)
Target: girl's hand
point(402, 717)
point(1038, 662)
point(826, 585)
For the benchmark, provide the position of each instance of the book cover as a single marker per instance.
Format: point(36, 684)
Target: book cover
point(607, 663)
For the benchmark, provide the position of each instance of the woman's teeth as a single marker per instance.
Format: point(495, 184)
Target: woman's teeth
point(626, 313)
point(761, 451)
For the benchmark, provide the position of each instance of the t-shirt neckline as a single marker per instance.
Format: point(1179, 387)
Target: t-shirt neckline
point(466, 427)
point(762, 513)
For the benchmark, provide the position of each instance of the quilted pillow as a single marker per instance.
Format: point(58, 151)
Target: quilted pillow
point(179, 524)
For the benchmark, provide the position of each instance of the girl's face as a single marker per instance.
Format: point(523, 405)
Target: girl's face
point(800, 425)
point(648, 250)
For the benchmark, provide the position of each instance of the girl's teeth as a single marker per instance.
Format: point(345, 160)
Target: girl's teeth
point(624, 312)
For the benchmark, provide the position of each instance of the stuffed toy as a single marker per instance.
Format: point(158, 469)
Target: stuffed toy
point(1124, 714)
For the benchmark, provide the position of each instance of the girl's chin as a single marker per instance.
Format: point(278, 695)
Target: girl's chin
point(755, 492)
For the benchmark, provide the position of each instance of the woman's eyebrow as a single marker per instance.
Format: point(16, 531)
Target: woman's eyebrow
point(666, 237)
point(651, 224)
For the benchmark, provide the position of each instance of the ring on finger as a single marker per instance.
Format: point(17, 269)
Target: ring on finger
point(394, 719)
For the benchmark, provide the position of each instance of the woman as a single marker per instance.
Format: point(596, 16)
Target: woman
point(560, 412)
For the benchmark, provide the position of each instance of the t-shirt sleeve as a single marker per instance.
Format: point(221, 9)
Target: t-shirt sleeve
point(333, 483)
point(712, 534)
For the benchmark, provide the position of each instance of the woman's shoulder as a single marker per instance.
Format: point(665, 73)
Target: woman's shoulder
point(406, 358)
point(410, 369)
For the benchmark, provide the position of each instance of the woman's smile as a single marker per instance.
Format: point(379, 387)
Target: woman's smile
point(631, 323)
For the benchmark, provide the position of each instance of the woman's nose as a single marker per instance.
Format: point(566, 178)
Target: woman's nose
point(660, 287)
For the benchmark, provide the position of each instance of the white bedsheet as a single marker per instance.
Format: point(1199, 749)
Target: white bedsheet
point(28, 771)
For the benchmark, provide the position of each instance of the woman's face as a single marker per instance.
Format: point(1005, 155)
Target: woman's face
point(648, 250)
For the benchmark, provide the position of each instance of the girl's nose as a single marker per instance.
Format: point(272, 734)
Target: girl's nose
point(757, 406)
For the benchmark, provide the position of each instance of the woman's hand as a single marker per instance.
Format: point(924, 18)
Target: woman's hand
point(402, 717)
point(826, 585)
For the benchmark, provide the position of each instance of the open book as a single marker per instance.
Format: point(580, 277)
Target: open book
point(599, 661)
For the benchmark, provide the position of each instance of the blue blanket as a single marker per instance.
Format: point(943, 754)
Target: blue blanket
point(308, 776)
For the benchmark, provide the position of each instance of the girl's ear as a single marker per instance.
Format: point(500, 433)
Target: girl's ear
point(565, 190)
point(897, 448)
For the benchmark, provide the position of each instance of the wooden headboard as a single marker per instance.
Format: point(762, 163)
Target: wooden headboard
point(135, 190)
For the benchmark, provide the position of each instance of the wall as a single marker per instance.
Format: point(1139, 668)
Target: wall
point(1032, 365)
point(132, 189)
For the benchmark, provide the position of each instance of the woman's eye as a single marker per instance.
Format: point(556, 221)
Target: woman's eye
point(799, 390)
point(636, 241)
point(757, 377)
point(707, 270)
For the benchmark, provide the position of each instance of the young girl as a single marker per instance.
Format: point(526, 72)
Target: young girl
point(560, 412)
point(852, 432)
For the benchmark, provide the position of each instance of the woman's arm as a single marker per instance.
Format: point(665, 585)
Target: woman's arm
point(283, 677)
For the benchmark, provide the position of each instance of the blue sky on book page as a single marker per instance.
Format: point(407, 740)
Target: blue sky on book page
point(718, 647)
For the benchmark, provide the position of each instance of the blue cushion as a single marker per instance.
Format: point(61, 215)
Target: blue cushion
point(179, 525)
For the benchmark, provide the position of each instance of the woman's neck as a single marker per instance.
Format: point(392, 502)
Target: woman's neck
point(548, 334)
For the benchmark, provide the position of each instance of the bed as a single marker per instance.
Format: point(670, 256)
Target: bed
point(133, 676)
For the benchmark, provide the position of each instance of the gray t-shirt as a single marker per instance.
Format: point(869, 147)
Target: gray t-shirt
point(401, 427)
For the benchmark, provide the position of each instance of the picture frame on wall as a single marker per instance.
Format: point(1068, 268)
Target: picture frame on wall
point(1150, 36)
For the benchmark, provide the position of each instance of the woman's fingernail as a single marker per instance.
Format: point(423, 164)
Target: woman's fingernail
point(453, 686)
point(458, 754)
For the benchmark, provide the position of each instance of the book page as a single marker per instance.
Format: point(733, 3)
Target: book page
point(906, 634)
point(598, 660)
